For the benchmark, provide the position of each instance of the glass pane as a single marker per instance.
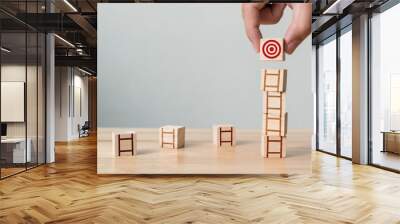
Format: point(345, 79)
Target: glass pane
point(394, 101)
point(327, 97)
point(386, 89)
point(13, 86)
point(346, 94)
point(32, 95)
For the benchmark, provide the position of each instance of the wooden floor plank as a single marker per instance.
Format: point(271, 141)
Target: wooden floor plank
point(70, 191)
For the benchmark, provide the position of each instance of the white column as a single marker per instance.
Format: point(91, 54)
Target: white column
point(360, 90)
point(50, 99)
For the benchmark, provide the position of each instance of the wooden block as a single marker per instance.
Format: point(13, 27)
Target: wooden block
point(273, 146)
point(272, 49)
point(124, 143)
point(274, 125)
point(172, 137)
point(273, 80)
point(274, 103)
point(224, 135)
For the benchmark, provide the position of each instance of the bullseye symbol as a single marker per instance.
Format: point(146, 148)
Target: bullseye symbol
point(271, 49)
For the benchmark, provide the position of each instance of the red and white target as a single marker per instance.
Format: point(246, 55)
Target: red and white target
point(271, 49)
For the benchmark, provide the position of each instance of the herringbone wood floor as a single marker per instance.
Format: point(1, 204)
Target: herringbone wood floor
point(69, 191)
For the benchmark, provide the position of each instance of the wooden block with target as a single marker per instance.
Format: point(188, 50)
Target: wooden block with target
point(274, 103)
point(274, 124)
point(273, 80)
point(172, 137)
point(272, 49)
point(273, 146)
point(224, 135)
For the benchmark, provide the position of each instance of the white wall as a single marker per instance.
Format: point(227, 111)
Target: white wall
point(79, 117)
point(15, 72)
point(69, 82)
point(190, 64)
point(62, 82)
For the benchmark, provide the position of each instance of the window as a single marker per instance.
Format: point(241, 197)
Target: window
point(327, 96)
point(394, 102)
point(346, 93)
point(334, 106)
point(385, 89)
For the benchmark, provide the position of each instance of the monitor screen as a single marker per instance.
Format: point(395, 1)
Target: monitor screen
point(3, 129)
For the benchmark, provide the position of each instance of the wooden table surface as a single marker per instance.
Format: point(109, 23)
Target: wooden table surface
point(200, 156)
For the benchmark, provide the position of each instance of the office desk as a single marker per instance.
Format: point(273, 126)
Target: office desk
point(15, 148)
point(391, 141)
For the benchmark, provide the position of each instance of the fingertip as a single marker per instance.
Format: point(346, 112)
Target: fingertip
point(257, 46)
point(291, 46)
point(254, 37)
point(300, 26)
point(289, 51)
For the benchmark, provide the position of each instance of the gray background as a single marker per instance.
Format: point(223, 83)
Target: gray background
point(189, 64)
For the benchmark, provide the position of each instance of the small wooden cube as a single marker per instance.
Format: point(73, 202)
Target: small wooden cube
point(272, 49)
point(224, 135)
point(274, 103)
point(273, 80)
point(273, 146)
point(124, 143)
point(274, 125)
point(172, 137)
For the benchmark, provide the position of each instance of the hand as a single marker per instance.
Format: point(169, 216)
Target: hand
point(256, 14)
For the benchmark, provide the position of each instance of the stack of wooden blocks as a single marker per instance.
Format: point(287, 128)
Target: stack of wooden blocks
point(273, 85)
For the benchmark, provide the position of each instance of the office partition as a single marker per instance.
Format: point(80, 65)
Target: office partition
point(22, 77)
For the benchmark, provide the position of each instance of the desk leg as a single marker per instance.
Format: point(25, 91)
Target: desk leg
point(384, 142)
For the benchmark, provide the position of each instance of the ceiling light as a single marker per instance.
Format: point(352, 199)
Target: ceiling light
point(70, 5)
point(5, 50)
point(84, 71)
point(64, 40)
